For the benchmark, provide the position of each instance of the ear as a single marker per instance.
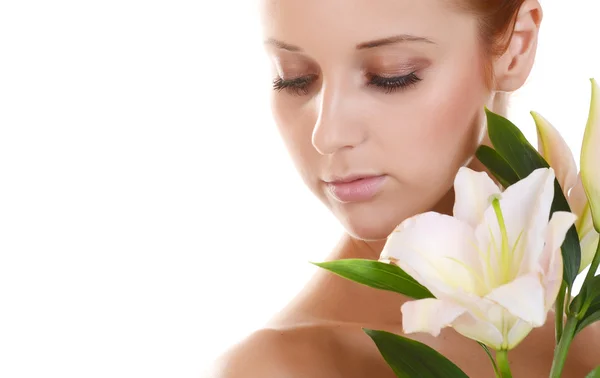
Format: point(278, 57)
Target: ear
point(514, 66)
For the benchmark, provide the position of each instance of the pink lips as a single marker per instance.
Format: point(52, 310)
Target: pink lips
point(356, 189)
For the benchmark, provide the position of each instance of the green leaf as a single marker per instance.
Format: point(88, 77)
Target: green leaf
point(496, 164)
point(594, 373)
point(489, 354)
point(571, 253)
point(590, 294)
point(377, 275)
point(571, 247)
point(409, 358)
point(510, 143)
point(592, 316)
point(591, 291)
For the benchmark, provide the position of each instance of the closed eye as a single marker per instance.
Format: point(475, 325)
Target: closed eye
point(298, 86)
point(393, 84)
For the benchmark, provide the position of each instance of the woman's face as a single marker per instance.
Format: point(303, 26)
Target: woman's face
point(391, 91)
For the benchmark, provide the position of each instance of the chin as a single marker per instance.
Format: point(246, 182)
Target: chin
point(376, 220)
point(368, 227)
point(367, 234)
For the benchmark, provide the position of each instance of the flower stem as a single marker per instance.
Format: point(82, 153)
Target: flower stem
point(503, 365)
point(559, 314)
point(560, 353)
point(489, 354)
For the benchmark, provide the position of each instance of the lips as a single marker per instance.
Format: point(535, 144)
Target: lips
point(355, 188)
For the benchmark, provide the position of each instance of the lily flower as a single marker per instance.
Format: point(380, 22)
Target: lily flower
point(590, 156)
point(495, 267)
point(557, 153)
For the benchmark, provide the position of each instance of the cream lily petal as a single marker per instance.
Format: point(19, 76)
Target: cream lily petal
point(553, 279)
point(551, 263)
point(479, 330)
point(555, 234)
point(526, 208)
point(438, 251)
point(517, 333)
point(589, 245)
point(393, 250)
point(590, 156)
point(523, 297)
point(429, 315)
point(488, 273)
point(472, 195)
point(578, 199)
point(557, 153)
point(584, 224)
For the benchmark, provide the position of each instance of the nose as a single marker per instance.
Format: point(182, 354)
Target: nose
point(338, 123)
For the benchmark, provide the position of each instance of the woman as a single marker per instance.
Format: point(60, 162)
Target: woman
point(380, 102)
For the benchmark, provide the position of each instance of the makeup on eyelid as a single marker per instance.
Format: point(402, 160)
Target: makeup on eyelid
point(296, 75)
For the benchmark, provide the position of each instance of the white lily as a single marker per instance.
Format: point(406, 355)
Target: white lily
point(590, 156)
point(557, 153)
point(495, 268)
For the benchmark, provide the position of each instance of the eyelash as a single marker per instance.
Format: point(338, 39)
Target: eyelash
point(394, 84)
point(299, 86)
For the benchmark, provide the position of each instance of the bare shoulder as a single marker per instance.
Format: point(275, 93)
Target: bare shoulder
point(585, 347)
point(538, 349)
point(277, 353)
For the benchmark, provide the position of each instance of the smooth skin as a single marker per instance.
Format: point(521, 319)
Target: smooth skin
point(336, 122)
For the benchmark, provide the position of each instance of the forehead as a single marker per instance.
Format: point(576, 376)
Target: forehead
point(351, 21)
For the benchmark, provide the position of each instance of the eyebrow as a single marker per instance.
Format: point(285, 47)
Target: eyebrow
point(401, 38)
point(282, 45)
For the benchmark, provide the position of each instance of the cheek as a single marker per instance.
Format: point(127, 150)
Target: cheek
point(442, 125)
point(454, 127)
point(295, 124)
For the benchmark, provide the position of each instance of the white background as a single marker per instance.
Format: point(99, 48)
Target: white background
point(149, 214)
